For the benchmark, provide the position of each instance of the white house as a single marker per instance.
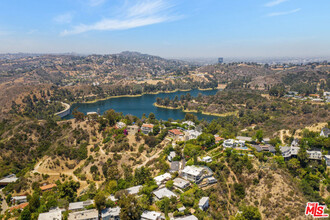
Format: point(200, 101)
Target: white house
point(192, 173)
point(327, 159)
point(134, 190)
point(8, 179)
point(191, 134)
point(325, 132)
point(189, 123)
point(288, 152)
point(229, 143)
point(163, 192)
point(151, 215)
point(314, 154)
point(120, 125)
point(171, 156)
point(189, 217)
point(111, 213)
point(181, 183)
point(147, 128)
point(53, 215)
point(207, 159)
point(203, 203)
point(91, 214)
point(19, 199)
point(77, 206)
point(162, 178)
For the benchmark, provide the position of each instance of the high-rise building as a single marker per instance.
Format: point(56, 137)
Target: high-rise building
point(220, 60)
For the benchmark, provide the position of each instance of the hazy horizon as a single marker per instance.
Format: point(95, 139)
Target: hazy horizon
point(166, 28)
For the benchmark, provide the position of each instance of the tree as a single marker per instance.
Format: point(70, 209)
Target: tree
point(68, 190)
point(249, 213)
point(130, 208)
point(100, 201)
point(169, 184)
point(79, 116)
point(34, 202)
point(156, 130)
point(259, 135)
point(26, 214)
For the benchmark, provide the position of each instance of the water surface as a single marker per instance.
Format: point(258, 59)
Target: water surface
point(143, 104)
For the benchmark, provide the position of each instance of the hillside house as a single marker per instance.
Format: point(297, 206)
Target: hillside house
point(203, 203)
point(151, 215)
point(171, 156)
point(120, 125)
point(52, 214)
point(314, 154)
point(176, 134)
point(181, 183)
point(147, 128)
point(325, 132)
point(48, 187)
point(163, 192)
point(91, 214)
point(78, 206)
point(111, 213)
point(196, 173)
point(191, 134)
point(132, 129)
point(162, 178)
point(8, 179)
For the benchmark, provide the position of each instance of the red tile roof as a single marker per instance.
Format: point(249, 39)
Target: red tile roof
point(148, 125)
point(176, 132)
point(20, 206)
point(47, 187)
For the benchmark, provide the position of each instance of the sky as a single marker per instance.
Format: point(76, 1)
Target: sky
point(168, 28)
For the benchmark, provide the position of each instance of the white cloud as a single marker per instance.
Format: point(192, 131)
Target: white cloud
point(65, 18)
point(274, 3)
point(95, 3)
point(283, 13)
point(143, 13)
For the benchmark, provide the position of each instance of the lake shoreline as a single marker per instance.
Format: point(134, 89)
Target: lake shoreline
point(139, 95)
point(195, 111)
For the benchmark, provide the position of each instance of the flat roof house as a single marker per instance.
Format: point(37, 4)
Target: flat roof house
point(91, 214)
point(162, 178)
point(111, 213)
point(245, 139)
point(8, 179)
point(189, 217)
point(181, 183)
point(192, 173)
point(327, 159)
point(191, 134)
point(19, 199)
point(207, 159)
point(134, 190)
point(151, 215)
point(175, 166)
point(228, 143)
point(51, 215)
point(163, 192)
point(147, 128)
point(132, 129)
point(203, 203)
point(314, 154)
point(78, 206)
